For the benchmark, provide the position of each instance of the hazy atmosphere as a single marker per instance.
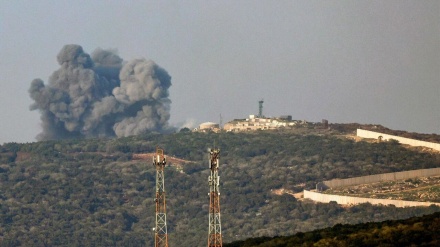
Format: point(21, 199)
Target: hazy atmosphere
point(345, 61)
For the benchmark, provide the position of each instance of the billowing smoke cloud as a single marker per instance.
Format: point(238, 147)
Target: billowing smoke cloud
point(101, 95)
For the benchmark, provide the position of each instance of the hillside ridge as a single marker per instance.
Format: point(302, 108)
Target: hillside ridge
point(91, 192)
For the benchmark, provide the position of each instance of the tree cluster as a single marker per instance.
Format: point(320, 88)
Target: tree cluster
point(416, 231)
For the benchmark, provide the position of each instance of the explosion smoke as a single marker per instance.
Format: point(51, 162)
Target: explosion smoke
point(101, 95)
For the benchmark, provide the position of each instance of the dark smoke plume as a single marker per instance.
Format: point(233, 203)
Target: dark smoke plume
point(101, 95)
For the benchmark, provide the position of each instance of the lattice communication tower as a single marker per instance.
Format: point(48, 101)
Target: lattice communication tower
point(215, 228)
point(160, 231)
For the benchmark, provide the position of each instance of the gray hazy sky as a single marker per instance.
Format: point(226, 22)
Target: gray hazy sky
point(345, 61)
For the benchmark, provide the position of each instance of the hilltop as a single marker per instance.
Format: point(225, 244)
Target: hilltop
point(96, 192)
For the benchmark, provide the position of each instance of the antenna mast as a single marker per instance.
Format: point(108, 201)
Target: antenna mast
point(215, 229)
point(160, 231)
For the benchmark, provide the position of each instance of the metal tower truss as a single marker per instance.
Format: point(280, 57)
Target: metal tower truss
point(160, 231)
point(215, 228)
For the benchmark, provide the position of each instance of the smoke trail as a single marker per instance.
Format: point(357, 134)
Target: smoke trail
point(101, 95)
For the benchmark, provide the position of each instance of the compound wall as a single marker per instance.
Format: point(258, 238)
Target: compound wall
point(416, 143)
point(335, 183)
point(349, 200)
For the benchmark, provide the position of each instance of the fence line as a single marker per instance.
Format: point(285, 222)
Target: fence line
point(349, 200)
point(392, 176)
point(412, 142)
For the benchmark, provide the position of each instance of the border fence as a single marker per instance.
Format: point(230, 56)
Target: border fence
point(350, 200)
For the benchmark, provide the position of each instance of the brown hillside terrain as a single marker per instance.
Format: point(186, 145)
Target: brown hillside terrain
point(171, 160)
